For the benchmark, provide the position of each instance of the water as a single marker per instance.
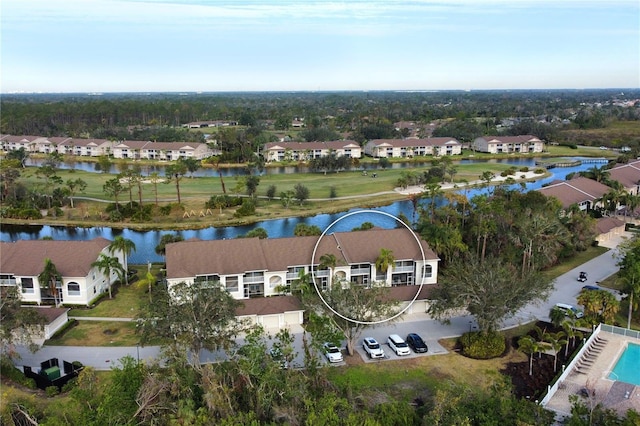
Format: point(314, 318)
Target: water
point(627, 368)
point(146, 241)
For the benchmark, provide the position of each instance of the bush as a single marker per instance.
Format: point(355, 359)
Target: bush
point(52, 391)
point(481, 345)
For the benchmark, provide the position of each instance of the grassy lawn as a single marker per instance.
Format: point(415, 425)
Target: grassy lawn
point(126, 303)
point(427, 373)
point(98, 333)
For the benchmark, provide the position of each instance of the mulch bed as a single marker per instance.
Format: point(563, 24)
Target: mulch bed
point(535, 385)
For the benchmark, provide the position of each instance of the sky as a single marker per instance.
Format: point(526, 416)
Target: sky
point(311, 45)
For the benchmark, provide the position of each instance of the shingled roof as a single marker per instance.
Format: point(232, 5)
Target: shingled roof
point(72, 258)
point(227, 257)
point(575, 191)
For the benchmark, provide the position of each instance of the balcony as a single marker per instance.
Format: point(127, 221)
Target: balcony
point(360, 271)
point(8, 281)
point(402, 269)
point(254, 280)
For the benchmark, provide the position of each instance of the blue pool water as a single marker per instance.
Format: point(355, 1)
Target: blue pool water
point(627, 368)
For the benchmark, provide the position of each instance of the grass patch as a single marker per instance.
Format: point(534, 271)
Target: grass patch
point(98, 333)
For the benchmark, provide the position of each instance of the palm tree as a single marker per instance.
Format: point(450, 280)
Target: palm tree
point(572, 334)
point(328, 261)
point(126, 246)
point(529, 346)
point(50, 276)
point(555, 341)
point(384, 260)
point(107, 265)
point(155, 179)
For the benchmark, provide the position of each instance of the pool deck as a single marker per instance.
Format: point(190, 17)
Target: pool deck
point(590, 372)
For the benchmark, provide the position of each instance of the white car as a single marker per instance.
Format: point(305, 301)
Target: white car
point(332, 352)
point(398, 345)
point(373, 348)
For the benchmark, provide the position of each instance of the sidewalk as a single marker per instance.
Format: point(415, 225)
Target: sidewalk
point(519, 177)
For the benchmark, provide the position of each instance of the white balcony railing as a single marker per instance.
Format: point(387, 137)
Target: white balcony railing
point(253, 280)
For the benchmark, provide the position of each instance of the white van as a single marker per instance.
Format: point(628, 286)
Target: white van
point(570, 309)
point(398, 345)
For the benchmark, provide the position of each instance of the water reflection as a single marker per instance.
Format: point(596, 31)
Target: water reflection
point(146, 241)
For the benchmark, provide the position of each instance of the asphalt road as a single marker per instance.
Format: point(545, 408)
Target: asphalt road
point(567, 288)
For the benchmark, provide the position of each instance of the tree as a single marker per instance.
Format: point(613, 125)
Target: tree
point(286, 197)
point(192, 164)
point(251, 183)
point(302, 230)
point(271, 192)
point(167, 239)
point(490, 290)
point(354, 306)
point(21, 154)
point(126, 247)
point(629, 262)
point(74, 186)
point(257, 232)
point(113, 188)
point(49, 277)
point(17, 323)
point(599, 306)
point(104, 163)
point(176, 172)
point(49, 175)
point(155, 179)
point(529, 346)
point(384, 261)
point(108, 265)
point(192, 316)
point(555, 341)
point(301, 193)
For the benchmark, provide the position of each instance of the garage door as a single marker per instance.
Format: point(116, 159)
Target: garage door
point(292, 318)
point(271, 321)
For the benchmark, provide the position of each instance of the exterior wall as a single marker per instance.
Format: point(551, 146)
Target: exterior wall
point(388, 150)
point(57, 324)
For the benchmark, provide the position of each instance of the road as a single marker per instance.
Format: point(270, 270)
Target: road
point(567, 288)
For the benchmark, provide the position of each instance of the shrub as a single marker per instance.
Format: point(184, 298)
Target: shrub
point(52, 391)
point(481, 345)
point(524, 169)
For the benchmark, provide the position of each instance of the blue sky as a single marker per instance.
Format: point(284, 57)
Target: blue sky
point(267, 45)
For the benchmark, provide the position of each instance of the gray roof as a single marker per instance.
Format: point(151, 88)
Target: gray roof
point(72, 258)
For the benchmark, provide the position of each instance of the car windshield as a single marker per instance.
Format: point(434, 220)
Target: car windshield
point(401, 344)
point(333, 350)
point(373, 345)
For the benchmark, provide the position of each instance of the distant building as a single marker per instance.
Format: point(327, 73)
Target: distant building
point(406, 148)
point(584, 192)
point(305, 151)
point(508, 144)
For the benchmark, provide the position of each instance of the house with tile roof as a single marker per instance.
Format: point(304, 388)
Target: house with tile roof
point(22, 261)
point(304, 151)
point(407, 148)
point(261, 271)
point(584, 192)
point(508, 144)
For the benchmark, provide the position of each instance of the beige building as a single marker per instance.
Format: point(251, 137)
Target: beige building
point(407, 148)
point(304, 151)
point(508, 144)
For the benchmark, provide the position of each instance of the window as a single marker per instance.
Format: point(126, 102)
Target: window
point(427, 271)
point(73, 289)
point(231, 283)
point(27, 285)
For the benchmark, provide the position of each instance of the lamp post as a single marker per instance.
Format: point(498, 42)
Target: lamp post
point(469, 335)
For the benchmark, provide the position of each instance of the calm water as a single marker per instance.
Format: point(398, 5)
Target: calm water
point(627, 368)
point(146, 241)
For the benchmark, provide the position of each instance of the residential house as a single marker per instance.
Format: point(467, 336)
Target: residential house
point(609, 228)
point(252, 268)
point(169, 151)
point(23, 261)
point(584, 192)
point(407, 148)
point(508, 144)
point(304, 151)
point(628, 175)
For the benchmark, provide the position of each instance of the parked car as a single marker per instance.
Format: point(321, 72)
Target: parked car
point(570, 310)
point(591, 287)
point(582, 277)
point(398, 345)
point(416, 343)
point(332, 352)
point(278, 356)
point(373, 348)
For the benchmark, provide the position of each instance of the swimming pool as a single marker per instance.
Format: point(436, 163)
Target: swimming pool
point(627, 368)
